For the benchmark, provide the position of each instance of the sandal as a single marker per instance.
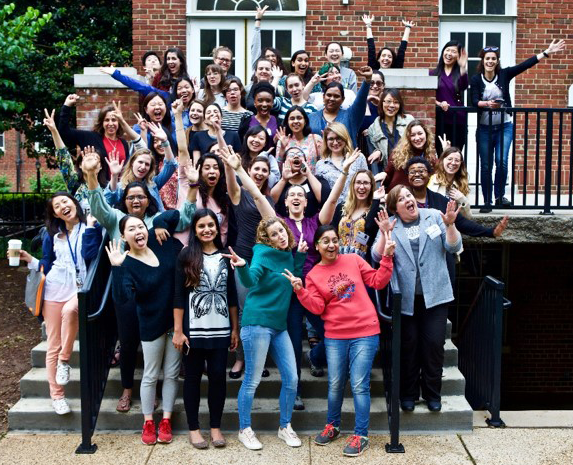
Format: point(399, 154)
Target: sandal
point(115, 360)
point(124, 404)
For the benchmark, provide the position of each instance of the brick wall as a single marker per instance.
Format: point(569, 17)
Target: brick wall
point(95, 99)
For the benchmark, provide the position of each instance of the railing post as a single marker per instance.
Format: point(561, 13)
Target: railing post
point(548, 163)
point(394, 446)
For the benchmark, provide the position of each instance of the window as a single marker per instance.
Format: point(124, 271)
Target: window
point(477, 7)
point(211, 38)
point(246, 5)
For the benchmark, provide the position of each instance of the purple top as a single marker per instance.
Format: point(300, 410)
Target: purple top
point(272, 125)
point(447, 91)
point(309, 227)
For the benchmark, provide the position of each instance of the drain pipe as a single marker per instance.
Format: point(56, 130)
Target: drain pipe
point(18, 160)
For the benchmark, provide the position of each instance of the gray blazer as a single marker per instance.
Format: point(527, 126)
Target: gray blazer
point(431, 259)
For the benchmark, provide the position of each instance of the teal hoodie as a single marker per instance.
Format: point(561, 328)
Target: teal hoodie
point(270, 292)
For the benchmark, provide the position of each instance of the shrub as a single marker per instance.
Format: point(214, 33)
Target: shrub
point(48, 183)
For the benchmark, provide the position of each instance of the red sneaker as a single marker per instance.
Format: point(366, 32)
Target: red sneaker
point(149, 436)
point(165, 434)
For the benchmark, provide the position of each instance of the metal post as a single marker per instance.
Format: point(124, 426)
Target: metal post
point(548, 161)
point(395, 447)
point(38, 177)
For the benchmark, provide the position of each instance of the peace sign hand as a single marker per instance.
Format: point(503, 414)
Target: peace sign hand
point(389, 245)
point(446, 144)
point(141, 122)
point(236, 261)
point(295, 281)
point(116, 256)
point(49, 120)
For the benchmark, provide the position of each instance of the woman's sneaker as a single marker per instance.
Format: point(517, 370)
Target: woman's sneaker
point(63, 374)
point(149, 435)
point(61, 406)
point(165, 435)
point(329, 434)
point(249, 439)
point(355, 445)
point(288, 435)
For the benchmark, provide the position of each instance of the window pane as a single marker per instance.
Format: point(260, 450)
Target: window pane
point(247, 5)
point(493, 39)
point(208, 41)
point(283, 42)
point(227, 38)
point(204, 64)
point(267, 39)
point(473, 7)
point(459, 36)
point(475, 43)
point(495, 7)
point(472, 65)
point(452, 7)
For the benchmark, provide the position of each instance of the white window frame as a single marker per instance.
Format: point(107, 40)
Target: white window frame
point(2, 141)
point(193, 12)
point(510, 11)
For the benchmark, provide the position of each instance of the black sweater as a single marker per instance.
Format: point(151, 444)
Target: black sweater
point(398, 61)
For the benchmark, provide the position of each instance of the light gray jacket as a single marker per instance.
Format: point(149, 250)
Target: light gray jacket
point(431, 260)
point(379, 141)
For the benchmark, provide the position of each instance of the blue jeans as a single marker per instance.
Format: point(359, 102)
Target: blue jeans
point(257, 341)
point(486, 148)
point(356, 356)
point(294, 324)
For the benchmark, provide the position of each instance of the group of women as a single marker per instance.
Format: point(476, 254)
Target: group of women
point(236, 213)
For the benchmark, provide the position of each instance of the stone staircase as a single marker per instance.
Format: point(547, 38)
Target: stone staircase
point(33, 412)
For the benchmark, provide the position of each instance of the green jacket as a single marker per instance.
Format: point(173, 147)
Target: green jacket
point(270, 292)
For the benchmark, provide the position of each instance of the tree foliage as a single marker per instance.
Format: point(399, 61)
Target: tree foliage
point(79, 33)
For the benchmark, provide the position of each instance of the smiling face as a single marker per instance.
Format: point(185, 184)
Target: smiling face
point(452, 163)
point(156, 109)
point(141, 166)
point(259, 173)
point(362, 186)
point(271, 56)
point(152, 62)
point(333, 75)
point(390, 106)
point(294, 87)
point(196, 114)
point(135, 234)
point(210, 173)
point(263, 103)
point(327, 246)
point(173, 63)
point(333, 99)
point(418, 175)
point(206, 230)
point(224, 60)
point(490, 61)
point(334, 53)
point(386, 59)
point(334, 142)
point(406, 207)
point(64, 208)
point(301, 63)
point(263, 71)
point(213, 78)
point(295, 157)
point(450, 55)
point(296, 201)
point(212, 115)
point(110, 125)
point(417, 137)
point(136, 201)
point(233, 94)
point(296, 121)
point(376, 85)
point(185, 92)
point(256, 142)
point(278, 236)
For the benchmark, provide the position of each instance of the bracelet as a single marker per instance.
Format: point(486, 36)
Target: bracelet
point(193, 184)
point(545, 54)
point(408, 27)
point(165, 144)
point(345, 173)
point(449, 224)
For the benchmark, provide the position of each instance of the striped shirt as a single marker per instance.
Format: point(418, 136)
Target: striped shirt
point(231, 120)
point(286, 104)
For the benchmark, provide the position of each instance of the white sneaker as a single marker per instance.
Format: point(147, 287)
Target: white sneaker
point(289, 436)
point(249, 439)
point(61, 406)
point(63, 374)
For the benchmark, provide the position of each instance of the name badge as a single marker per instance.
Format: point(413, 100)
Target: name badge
point(362, 238)
point(433, 231)
point(306, 188)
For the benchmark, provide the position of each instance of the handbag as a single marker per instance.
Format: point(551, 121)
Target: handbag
point(34, 294)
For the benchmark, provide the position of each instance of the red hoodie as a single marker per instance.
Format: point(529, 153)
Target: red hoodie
point(338, 293)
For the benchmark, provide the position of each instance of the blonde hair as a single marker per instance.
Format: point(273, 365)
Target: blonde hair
point(351, 201)
point(340, 130)
point(404, 150)
point(461, 179)
point(128, 176)
point(263, 236)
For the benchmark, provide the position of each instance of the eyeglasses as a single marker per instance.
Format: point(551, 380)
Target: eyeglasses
point(131, 198)
point(419, 171)
point(490, 49)
point(333, 139)
point(376, 83)
point(363, 183)
point(224, 60)
point(328, 241)
point(391, 102)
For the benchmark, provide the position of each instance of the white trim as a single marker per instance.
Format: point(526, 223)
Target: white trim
point(510, 10)
point(3, 138)
point(192, 12)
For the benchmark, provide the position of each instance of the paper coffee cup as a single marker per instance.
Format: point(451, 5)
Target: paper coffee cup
point(14, 246)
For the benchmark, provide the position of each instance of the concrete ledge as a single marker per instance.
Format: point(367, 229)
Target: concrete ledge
point(409, 78)
point(93, 78)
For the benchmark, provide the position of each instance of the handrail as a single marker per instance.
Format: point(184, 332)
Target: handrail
point(104, 298)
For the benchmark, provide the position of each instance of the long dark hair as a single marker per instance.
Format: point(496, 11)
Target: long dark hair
point(245, 157)
point(173, 95)
point(488, 49)
point(280, 63)
point(308, 73)
point(54, 225)
point(191, 257)
point(306, 129)
point(439, 69)
point(166, 121)
point(324, 228)
point(152, 207)
point(262, 159)
point(220, 191)
point(98, 126)
point(396, 95)
point(166, 76)
point(122, 227)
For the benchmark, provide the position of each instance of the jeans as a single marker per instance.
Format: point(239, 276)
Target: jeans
point(257, 341)
point(486, 149)
point(356, 356)
point(294, 325)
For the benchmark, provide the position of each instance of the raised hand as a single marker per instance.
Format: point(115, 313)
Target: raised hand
point(380, 194)
point(365, 72)
point(350, 159)
point(287, 173)
point(463, 59)
point(409, 24)
point(451, 213)
point(295, 281)
point(72, 100)
point(455, 194)
point(177, 107)
point(117, 110)
point(318, 78)
point(161, 234)
point(368, 19)
point(446, 144)
point(108, 70)
point(374, 156)
point(112, 160)
point(384, 223)
point(501, 226)
point(555, 46)
point(141, 122)
point(90, 160)
point(389, 245)
point(196, 85)
point(302, 245)
point(282, 137)
point(191, 173)
point(91, 220)
point(49, 120)
point(276, 72)
point(230, 158)
point(261, 12)
point(116, 256)
point(157, 131)
point(236, 261)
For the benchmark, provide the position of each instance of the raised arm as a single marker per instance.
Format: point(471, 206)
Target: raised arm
point(256, 42)
point(372, 62)
point(63, 157)
point(133, 84)
point(182, 148)
point(129, 132)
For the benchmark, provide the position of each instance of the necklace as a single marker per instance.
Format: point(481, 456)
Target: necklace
point(114, 146)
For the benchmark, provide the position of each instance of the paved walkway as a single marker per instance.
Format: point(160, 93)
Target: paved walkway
point(549, 442)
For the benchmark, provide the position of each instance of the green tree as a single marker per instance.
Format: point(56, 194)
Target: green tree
point(80, 33)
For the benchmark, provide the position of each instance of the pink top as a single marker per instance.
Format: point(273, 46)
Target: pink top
point(338, 294)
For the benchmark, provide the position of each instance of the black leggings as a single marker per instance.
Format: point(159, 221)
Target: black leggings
point(129, 340)
point(217, 372)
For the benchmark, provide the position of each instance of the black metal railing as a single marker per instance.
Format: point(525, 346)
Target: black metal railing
point(98, 335)
point(543, 140)
point(479, 344)
point(390, 342)
point(22, 213)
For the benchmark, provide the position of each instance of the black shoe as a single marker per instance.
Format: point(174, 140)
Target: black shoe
point(315, 371)
point(265, 373)
point(407, 405)
point(235, 374)
point(298, 403)
point(434, 405)
point(486, 208)
point(502, 202)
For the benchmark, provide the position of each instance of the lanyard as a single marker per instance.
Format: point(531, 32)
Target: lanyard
point(74, 252)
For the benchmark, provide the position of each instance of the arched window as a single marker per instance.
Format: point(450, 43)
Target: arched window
point(247, 5)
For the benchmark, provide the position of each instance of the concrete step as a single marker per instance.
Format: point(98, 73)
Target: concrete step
point(36, 414)
point(34, 384)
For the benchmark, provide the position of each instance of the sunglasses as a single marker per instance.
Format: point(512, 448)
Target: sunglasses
point(490, 49)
